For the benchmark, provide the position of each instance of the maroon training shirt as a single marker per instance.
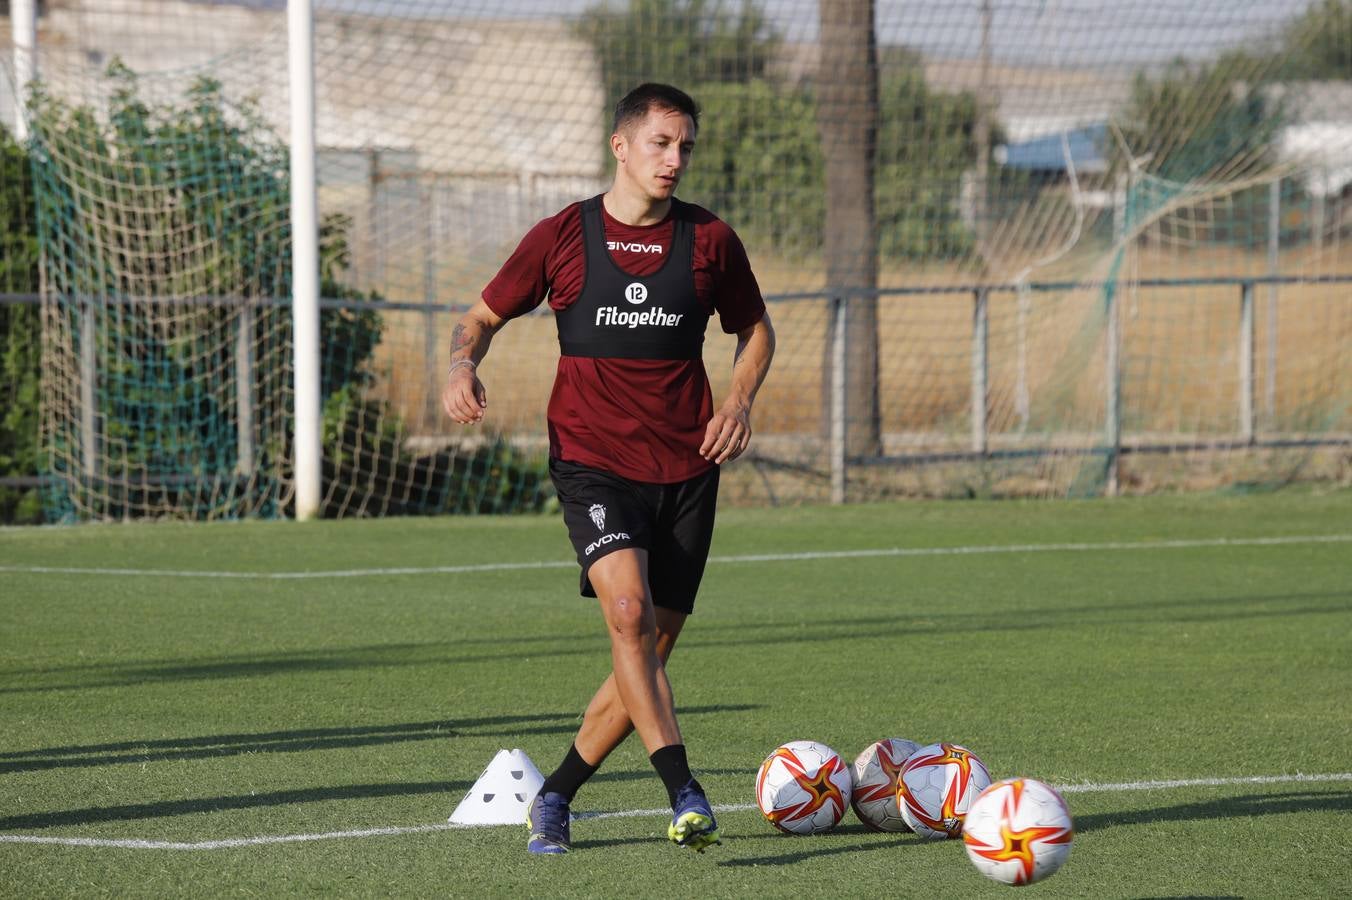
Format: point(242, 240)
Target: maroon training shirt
point(643, 419)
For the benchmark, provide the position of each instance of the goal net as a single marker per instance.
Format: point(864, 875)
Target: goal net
point(1102, 247)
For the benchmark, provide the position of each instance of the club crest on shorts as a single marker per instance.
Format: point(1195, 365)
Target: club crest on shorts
point(598, 516)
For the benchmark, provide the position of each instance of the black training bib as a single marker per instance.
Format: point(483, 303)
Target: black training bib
point(624, 316)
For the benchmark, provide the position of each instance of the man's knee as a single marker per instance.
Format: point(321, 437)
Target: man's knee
point(630, 616)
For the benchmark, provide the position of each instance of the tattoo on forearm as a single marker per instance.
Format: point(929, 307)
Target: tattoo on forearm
point(461, 339)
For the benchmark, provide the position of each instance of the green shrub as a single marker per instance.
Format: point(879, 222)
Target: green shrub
point(20, 336)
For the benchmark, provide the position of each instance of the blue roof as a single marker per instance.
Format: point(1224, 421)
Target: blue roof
point(1047, 153)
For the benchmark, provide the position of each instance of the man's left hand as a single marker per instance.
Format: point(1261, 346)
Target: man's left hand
point(727, 434)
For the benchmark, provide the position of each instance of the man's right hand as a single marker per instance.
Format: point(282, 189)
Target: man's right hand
point(464, 397)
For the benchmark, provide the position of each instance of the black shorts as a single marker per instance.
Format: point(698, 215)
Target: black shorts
point(673, 522)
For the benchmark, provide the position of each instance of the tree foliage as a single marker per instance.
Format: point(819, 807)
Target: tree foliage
point(146, 206)
point(161, 222)
point(1318, 44)
point(683, 42)
point(1201, 120)
point(758, 163)
point(20, 335)
point(925, 143)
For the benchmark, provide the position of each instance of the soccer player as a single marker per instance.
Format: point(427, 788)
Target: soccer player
point(635, 442)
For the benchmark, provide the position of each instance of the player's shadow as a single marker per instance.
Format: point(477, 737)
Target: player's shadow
point(1222, 808)
point(602, 843)
point(293, 741)
point(794, 849)
point(258, 665)
point(165, 809)
point(305, 739)
point(908, 622)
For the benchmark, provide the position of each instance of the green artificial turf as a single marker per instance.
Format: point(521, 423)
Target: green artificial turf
point(150, 703)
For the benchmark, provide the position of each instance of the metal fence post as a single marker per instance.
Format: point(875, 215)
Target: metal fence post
point(980, 367)
point(89, 436)
point(244, 389)
point(1113, 400)
point(1246, 351)
point(1274, 268)
point(432, 404)
point(838, 351)
point(375, 235)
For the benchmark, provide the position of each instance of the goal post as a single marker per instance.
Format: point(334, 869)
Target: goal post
point(304, 256)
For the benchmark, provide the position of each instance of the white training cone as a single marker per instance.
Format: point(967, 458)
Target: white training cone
point(503, 793)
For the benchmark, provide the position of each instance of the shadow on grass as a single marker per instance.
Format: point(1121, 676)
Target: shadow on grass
point(838, 841)
point(254, 665)
point(917, 623)
point(303, 740)
point(812, 846)
point(805, 848)
point(1222, 808)
point(601, 844)
point(168, 808)
point(907, 622)
point(372, 652)
point(703, 771)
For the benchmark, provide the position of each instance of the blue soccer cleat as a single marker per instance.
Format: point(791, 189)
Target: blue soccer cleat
point(692, 822)
point(547, 820)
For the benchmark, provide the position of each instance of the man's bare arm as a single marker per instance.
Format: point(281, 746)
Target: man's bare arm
point(464, 397)
point(728, 433)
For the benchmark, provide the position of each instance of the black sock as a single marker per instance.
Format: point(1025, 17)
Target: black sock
point(571, 774)
point(671, 765)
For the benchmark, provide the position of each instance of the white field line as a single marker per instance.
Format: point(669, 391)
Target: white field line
point(1091, 547)
point(260, 840)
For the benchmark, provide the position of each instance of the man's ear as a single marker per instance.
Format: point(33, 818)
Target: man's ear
point(618, 146)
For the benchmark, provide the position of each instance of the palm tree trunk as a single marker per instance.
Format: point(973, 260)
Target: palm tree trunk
point(847, 119)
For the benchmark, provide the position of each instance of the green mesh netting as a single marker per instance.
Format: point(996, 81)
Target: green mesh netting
point(1103, 252)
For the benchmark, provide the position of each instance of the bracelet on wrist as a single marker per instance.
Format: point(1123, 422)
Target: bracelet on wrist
point(462, 362)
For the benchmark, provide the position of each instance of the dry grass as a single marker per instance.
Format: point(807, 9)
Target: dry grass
point(1179, 359)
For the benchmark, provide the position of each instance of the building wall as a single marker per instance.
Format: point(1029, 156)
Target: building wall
point(468, 95)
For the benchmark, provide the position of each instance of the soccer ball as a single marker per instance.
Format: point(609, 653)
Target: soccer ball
point(803, 788)
point(875, 784)
point(936, 786)
point(1018, 831)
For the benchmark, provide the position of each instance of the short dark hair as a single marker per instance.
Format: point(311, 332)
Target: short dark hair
point(650, 95)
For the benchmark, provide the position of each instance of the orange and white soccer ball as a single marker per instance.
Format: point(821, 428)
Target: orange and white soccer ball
point(803, 787)
point(1018, 831)
point(874, 796)
point(936, 787)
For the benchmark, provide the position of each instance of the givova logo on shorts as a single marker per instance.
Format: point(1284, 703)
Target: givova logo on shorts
point(605, 539)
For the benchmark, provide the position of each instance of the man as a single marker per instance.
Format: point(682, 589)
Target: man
point(633, 277)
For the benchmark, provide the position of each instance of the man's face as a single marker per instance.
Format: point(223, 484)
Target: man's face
point(654, 152)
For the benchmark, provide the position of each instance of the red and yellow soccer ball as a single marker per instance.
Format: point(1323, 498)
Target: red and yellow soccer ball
point(936, 787)
point(1018, 831)
point(874, 795)
point(803, 787)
